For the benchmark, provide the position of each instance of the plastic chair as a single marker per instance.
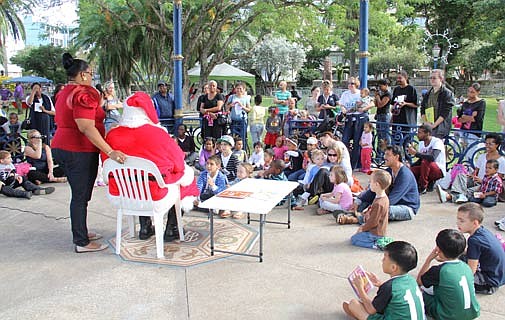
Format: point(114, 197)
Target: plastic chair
point(132, 179)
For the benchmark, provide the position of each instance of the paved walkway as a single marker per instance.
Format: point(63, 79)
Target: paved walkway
point(304, 275)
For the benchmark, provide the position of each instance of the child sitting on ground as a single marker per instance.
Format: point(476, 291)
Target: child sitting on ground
point(376, 217)
point(491, 187)
point(293, 159)
point(13, 126)
point(257, 158)
point(208, 149)
point(211, 181)
point(10, 180)
point(280, 148)
point(228, 160)
point(318, 157)
point(340, 198)
point(447, 288)
point(239, 151)
point(244, 171)
point(486, 193)
point(268, 157)
point(397, 298)
point(484, 253)
point(276, 172)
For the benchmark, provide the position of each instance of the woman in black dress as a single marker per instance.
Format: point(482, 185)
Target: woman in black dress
point(211, 106)
point(41, 110)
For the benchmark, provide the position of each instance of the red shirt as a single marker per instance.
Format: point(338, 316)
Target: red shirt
point(77, 102)
point(153, 143)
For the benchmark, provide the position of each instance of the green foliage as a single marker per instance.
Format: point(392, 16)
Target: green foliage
point(43, 61)
point(307, 76)
point(11, 23)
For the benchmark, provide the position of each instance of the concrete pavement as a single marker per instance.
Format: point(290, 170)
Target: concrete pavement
point(304, 275)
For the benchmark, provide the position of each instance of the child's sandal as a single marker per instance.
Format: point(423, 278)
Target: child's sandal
point(225, 214)
point(238, 215)
point(346, 219)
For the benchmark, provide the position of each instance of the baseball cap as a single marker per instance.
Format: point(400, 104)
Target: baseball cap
point(228, 139)
point(162, 83)
point(311, 140)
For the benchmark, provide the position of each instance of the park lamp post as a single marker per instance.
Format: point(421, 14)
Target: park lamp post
point(436, 53)
point(363, 43)
point(177, 58)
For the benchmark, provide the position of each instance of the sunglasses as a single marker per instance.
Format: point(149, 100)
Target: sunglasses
point(351, 83)
point(332, 154)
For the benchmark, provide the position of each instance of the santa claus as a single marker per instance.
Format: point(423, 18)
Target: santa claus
point(140, 134)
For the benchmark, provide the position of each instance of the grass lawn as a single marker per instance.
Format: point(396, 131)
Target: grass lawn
point(490, 118)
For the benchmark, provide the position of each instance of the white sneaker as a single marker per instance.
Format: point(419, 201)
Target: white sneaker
point(501, 226)
point(442, 195)
point(461, 199)
point(301, 201)
point(498, 222)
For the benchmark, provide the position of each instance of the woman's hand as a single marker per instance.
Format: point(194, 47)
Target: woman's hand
point(50, 176)
point(117, 156)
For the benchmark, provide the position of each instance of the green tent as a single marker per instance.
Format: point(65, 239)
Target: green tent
point(223, 73)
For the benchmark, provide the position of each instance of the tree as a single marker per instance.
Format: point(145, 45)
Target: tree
point(43, 61)
point(11, 24)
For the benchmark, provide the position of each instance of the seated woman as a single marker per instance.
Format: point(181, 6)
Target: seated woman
point(39, 155)
point(463, 183)
point(321, 182)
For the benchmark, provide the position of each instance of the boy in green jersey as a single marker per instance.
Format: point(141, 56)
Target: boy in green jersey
point(448, 292)
point(398, 298)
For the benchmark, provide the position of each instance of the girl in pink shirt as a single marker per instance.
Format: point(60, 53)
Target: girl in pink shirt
point(340, 198)
point(280, 148)
point(366, 147)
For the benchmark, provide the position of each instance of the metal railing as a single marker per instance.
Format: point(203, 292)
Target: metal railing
point(460, 146)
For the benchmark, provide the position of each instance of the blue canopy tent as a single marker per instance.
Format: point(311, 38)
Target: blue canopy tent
point(28, 79)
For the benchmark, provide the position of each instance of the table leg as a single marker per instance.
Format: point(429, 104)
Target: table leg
point(248, 218)
point(262, 222)
point(211, 232)
point(289, 210)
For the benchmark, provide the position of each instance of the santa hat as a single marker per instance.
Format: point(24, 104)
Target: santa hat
point(138, 109)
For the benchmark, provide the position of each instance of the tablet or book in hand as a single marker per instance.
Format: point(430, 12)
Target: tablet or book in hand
point(360, 272)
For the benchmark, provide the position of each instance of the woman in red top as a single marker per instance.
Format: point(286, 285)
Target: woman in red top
point(77, 143)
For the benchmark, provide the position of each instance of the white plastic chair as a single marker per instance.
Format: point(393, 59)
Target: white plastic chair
point(132, 179)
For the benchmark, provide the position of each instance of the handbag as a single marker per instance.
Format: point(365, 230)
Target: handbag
point(27, 123)
point(223, 119)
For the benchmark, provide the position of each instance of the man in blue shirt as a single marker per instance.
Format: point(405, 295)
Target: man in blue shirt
point(163, 101)
point(165, 106)
point(403, 194)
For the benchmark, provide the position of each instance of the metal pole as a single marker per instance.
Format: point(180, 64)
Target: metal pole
point(177, 57)
point(435, 60)
point(363, 43)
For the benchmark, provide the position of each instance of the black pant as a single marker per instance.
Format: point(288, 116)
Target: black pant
point(41, 175)
point(215, 131)
point(353, 129)
point(81, 169)
point(321, 183)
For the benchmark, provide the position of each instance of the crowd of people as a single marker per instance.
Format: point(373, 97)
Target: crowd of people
point(324, 164)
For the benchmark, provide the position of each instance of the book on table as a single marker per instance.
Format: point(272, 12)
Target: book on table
point(360, 272)
point(234, 194)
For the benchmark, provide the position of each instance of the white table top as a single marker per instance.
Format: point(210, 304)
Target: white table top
point(266, 194)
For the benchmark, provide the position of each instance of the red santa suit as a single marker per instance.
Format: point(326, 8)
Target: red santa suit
point(139, 134)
